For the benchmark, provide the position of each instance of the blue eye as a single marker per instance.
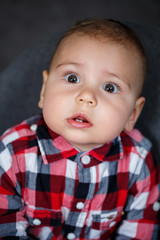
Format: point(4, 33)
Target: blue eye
point(72, 78)
point(110, 87)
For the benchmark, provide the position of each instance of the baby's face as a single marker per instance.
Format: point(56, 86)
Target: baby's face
point(90, 93)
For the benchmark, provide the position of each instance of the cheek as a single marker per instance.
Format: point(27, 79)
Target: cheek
point(55, 106)
point(115, 116)
point(114, 109)
point(50, 107)
point(52, 115)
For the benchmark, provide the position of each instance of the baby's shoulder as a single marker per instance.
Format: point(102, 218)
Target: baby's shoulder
point(20, 131)
point(136, 140)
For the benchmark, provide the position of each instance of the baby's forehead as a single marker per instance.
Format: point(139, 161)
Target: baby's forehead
point(102, 40)
point(70, 42)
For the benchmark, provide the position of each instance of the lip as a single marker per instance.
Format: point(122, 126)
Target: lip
point(79, 120)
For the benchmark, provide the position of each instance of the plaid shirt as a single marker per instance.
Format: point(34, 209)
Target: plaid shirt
point(50, 190)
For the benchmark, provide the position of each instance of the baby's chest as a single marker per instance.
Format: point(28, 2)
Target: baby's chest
point(65, 187)
point(66, 195)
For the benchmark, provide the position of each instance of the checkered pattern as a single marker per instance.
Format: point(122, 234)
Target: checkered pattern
point(48, 192)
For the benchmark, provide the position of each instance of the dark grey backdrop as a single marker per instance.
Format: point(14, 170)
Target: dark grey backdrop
point(24, 22)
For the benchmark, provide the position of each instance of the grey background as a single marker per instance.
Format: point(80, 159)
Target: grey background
point(24, 22)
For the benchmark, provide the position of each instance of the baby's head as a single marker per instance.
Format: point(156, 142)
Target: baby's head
point(92, 90)
point(113, 32)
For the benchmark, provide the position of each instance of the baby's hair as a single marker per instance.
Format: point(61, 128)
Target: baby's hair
point(114, 32)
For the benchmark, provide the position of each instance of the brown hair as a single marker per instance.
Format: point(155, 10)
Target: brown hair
point(112, 30)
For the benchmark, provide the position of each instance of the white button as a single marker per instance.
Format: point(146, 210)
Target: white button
point(86, 159)
point(33, 127)
point(80, 205)
point(112, 224)
point(156, 206)
point(36, 222)
point(71, 236)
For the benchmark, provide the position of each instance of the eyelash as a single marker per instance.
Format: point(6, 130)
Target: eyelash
point(74, 76)
point(69, 73)
point(114, 85)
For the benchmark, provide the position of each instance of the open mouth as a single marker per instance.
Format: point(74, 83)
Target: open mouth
point(79, 121)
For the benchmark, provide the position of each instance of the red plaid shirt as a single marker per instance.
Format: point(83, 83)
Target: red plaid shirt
point(49, 190)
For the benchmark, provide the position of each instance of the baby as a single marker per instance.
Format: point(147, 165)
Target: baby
point(80, 170)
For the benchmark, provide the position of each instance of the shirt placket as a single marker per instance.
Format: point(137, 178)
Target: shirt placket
point(83, 195)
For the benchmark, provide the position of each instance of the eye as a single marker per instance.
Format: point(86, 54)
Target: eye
point(72, 78)
point(110, 87)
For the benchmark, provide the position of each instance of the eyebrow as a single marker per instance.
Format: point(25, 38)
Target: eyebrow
point(68, 63)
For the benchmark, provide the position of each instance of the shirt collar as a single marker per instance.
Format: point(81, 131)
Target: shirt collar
point(54, 147)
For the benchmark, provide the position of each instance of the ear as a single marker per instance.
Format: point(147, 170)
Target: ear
point(135, 114)
point(45, 77)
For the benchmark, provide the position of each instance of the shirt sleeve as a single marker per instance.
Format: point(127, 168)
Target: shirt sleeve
point(143, 203)
point(13, 225)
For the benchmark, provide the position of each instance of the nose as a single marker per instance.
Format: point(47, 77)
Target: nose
point(86, 97)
